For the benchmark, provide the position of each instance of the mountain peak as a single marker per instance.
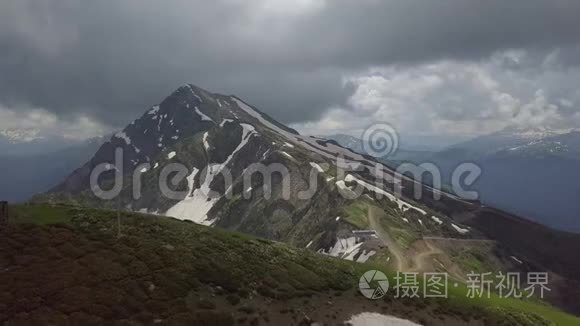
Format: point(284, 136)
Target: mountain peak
point(534, 132)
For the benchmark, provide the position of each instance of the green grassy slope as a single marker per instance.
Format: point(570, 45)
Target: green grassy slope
point(166, 271)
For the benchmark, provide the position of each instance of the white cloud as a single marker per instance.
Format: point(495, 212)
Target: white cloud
point(286, 7)
point(26, 124)
point(460, 98)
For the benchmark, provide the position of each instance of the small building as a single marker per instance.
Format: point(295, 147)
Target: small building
point(362, 235)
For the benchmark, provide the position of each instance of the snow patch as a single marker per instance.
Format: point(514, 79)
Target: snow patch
point(403, 205)
point(309, 244)
point(376, 319)
point(350, 256)
point(197, 205)
point(171, 155)
point(123, 135)
point(317, 167)
point(364, 256)
point(224, 121)
point(344, 248)
point(194, 93)
point(516, 260)
point(458, 229)
point(342, 186)
point(203, 116)
point(205, 142)
point(153, 110)
point(437, 220)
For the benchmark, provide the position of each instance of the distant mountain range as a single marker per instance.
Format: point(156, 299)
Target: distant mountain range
point(28, 141)
point(531, 172)
point(36, 169)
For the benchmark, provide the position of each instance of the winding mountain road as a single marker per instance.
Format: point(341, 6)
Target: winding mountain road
point(419, 262)
point(374, 214)
point(412, 261)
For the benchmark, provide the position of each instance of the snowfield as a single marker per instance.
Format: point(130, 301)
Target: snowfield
point(437, 220)
point(123, 135)
point(287, 155)
point(224, 121)
point(197, 205)
point(364, 256)
point(403, 205)
point(460, 230)
point(376, 319)
point(317, 167)
point(203, 116)
point(347, 248)
point(205, 142)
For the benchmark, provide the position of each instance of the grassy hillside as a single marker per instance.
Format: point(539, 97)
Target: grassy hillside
point(67, 264)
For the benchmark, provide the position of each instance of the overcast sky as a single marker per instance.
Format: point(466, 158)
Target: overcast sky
point(441, 67)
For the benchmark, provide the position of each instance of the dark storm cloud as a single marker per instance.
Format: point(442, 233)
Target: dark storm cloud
point(113, 59)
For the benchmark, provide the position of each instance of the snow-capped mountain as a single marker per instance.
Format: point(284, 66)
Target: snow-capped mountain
point(565, 145)
point(511, 138)
point(530, 172)
point(218, 138)
point(533, 133)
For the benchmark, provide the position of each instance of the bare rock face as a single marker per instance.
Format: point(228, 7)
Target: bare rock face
point(217, 139)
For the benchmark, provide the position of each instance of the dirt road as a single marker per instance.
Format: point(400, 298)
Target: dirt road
point(374, 216)
point(423, 261)
point(419, 262)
